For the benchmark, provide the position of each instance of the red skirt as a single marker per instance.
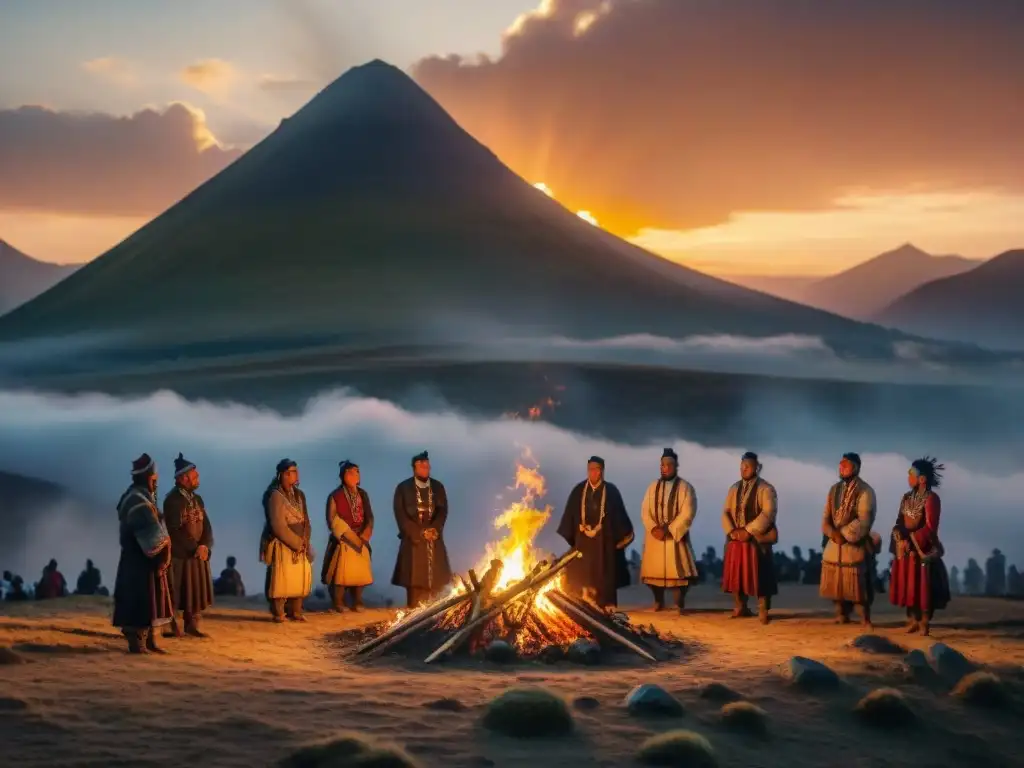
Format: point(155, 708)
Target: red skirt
point(913, 584)
point(749, 570)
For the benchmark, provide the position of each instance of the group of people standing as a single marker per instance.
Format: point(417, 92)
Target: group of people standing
point(164, 567)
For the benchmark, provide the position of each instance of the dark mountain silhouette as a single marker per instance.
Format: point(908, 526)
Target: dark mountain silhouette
point(370, 217)
point(862, 291)
point(23, 278)
point(983, 306)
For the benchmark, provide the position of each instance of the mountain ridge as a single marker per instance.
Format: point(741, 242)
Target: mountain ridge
point(24, 277)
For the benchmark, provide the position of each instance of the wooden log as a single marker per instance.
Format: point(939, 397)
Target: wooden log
point(482, 598)
point(474, 580)
point(587, 621)
point(512, 593)
point(413, 622)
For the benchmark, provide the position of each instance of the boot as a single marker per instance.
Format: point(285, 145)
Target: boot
point(659, 598)
point(842, 614)
point(357, 600)
point(681, 600)
point(134, 642)
point(926, 621)
point(192, 626)
point(151, 645)
point(173, 629)
point(913, 623)
point(762, 610)
point(865, 618)
point(337, 599)
point(740, 609)
point(277, 610)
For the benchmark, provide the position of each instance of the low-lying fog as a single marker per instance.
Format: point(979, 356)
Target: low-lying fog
point(86, 443)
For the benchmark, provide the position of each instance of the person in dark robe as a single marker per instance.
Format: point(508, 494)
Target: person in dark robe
point(285, 544)
point(421, 510)
point(595, 523)
point(89, 580)
point(919, 582)
point(17, 592)
point(142, 595)
point(52, 583)
point(229, 583)
point(749, 522)
point(347, 567)
point(191, 539)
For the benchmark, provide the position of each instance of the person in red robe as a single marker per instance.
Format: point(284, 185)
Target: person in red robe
point(918, 579)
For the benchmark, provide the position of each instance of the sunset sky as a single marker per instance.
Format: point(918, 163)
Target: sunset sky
point(783, 136)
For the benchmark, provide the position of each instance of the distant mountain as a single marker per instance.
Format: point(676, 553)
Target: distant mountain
point(23, 278)
point(371, 218)
point(862, 291)
point(983, 306)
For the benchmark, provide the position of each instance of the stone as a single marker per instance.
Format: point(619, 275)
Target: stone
point(949, 663)
point(653, 700)
point(527, 713)
point(916, 667)
point(810, 674)
point(446, 705)
point(500, 652)
point(876, 644)
point(720, 693)
point(585, 703)
point(584, 651)
point(885, 708)
point(551, 654)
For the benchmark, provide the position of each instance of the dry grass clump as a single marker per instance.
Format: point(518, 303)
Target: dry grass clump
point(678, 749)
point(349, 751)
point(528, 712)
point(982, 689)
point(745, 716)
point(885, 708)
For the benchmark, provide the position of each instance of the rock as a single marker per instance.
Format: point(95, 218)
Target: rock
point(876, 644)
point(653, 700)
point(11, 704)
point(811, 675)
point(446, 705)
point(584, 651)
point(916, 667)
point(678, 748)
point(551, 654)
point(949, 663)
point(348, 749)
point(719, 693)
point(885, 708)
point(500, 652)
point(528, 713)
point(586, 703)
point(982, 689)
point(745, 716)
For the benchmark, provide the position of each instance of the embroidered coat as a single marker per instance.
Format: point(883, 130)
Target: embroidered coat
point(669, 563)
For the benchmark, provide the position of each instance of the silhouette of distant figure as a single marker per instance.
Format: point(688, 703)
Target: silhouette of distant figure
point(812, 571)
point(230, 581)
point(88, 580)
point(17, 591)
point(799, 563)
point(5, 584)
point(710, 565)
point(954, 580)
point(52, 583)
point(1014, 582)
point(995, 574)
point(974, 578)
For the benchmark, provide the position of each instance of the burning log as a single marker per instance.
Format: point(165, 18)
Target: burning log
point(417, 621)
point(584, 619)
point(537, 580)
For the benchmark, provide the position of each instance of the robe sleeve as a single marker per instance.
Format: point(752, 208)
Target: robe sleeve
point(686, 511)
point(827, 526)
point(858, 529)
point(183, 546)
point(768, 504)
point(408, 528)
point(277, 518)
point(207, 538)
point(928, 534)
point(150, 534)
point(440, 508)
point(622, 526)
point(568, 526)
point(368, 513)
point(647, 510)
point(728, 524)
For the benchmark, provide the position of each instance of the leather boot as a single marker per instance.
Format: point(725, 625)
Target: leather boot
point(681, 599)
point(151, 645)
point(173, 629)
point(659, 598)
point(762, 610)
point(913, 623)
point(134, 642)
point(192, 626)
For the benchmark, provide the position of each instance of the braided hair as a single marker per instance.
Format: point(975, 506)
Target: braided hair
point(930, 469)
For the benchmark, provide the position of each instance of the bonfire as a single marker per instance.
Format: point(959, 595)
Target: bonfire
point(519, 601)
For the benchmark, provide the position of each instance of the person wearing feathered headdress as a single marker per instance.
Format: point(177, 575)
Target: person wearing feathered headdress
point(918, 581)
point(847, 560)
point(347, 568)
point(668, 510)
point(749, 521)
point(284, 545)
point(191, 539)
point(421, 510)
point(142, 595)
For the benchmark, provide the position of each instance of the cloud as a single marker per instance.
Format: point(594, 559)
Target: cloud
point(87, 442)
point(101, 164)
point(210, 76)
point(673, 115)
point(113, 69)
point(286, 85)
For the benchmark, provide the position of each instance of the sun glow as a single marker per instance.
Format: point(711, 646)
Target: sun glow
point(587, 216)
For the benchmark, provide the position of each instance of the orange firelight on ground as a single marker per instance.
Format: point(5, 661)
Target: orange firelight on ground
point(587, 216)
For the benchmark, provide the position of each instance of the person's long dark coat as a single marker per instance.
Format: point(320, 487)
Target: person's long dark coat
point(189, 527)
point(142, 596)
point(603, 566)
point(416, 567)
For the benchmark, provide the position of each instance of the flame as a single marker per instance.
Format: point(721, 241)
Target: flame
point(535, 412)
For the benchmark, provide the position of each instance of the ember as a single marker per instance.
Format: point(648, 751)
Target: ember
point(518, 600)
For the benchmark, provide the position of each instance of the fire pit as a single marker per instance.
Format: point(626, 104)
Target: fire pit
point(519, 602)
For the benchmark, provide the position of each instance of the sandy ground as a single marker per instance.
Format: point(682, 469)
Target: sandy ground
point(255, 691)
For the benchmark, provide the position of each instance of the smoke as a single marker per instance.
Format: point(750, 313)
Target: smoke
point(85, 443)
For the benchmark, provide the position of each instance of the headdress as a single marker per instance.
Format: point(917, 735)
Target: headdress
point(182, 466)
point(930, 469)
point(668, 453)
point(142, 465)
point(596, 460)
point(345, 466)
point(424, 456)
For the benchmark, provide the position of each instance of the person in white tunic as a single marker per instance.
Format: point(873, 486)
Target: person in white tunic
point(668, 510)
